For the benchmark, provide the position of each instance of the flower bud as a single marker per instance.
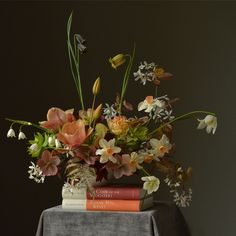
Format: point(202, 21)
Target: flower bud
point(57, 143)
point(117, 60)
point(96, 86)
point(97, 112)
point(51, 141)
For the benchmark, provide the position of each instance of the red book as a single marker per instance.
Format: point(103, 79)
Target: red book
point(117, 192)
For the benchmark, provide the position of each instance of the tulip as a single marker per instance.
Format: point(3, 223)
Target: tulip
point(97, 86)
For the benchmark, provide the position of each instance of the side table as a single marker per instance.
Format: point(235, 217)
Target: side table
point(164, 219)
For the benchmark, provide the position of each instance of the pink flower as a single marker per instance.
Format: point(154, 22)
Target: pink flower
point(73, 133)
point(57, 117)
point(48, 163)
point(121, 167)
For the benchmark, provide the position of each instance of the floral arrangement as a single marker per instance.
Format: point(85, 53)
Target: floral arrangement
point(89, 144)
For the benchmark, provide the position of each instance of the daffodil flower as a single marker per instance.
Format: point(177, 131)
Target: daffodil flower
point(209, 122)
point(11, 133)
point(135, 161)
point(107, 151)
point(160, 147)
point(151, 184)
point(149, 104)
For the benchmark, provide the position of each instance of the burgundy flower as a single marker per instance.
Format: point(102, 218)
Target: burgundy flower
point(87, 154)
point(48, 163)
point(121, 167)
point(56, 118)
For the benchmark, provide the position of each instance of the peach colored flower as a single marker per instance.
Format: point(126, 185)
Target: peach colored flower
point(48, 163)
point(56, 118)
point(118, 125)
point(73, 133)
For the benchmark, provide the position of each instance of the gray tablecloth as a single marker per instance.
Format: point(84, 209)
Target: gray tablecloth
point(164, 219)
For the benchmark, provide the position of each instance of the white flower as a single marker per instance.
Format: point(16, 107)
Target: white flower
point(149, 104)
point(135, 161)
point(183, 199)
point(209, 122)
point(51, 141)
point(36, 173)
point(109, 112)
point(151, 184)
point(21, 135)
point(160, 147)
point(57, 143)
point(34, 147)
point(107, 151)
point(11, 133)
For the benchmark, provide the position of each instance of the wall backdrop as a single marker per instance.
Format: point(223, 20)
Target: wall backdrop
point(194, 41)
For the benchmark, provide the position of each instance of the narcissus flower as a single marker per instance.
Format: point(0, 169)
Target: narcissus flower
point(209, 122)
point(135, 161)
point(149, 104)
point(117, 60)
point(151, 184)
point(160, 147)
point(108, 150)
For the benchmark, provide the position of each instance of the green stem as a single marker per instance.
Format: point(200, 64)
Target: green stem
point(27, 123)
point(187, 115)
point(145, 172)
point(91, 118)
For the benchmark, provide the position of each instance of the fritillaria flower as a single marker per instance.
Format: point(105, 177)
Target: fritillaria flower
point(73, 133)
point(209, 122)
point(160, 147)
point(11, 133)
point(107, 151)
point(48, 163)
point(151, 184)
point(56, 118)
point(117, 60)
point(121, 167)
point(80, 43)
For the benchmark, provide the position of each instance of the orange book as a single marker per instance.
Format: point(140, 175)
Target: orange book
point(108, 204)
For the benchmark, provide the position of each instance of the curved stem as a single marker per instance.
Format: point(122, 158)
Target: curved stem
point(27, 123)
point(187, 115)
point(145, 172)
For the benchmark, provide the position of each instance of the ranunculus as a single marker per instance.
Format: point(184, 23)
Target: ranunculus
point(48, 163)
point(57, 117)
point(118, 125)
point(73, 133)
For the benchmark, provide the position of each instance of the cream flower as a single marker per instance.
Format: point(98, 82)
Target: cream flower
point(151, 184)
point(135, 161)
point(209, 122)
point(21, 135)
point(107, 151)
point(149, 104)
point(160, 147)
point(11, 133)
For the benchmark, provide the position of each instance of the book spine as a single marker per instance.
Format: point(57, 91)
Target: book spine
point(74, 204)
point(115, 193)
point(113, 205)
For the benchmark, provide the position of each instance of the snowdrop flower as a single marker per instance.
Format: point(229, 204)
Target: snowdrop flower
point(11, 133)
point(160, 147)
point(108, 150)
point(149, 104)
point(151, 184)
point(209, 122)
point(36, 173)
point(21, 135)
point(51, 141)
point(57, 143)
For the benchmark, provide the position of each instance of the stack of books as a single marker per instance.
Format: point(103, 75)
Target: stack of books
point(108, 198)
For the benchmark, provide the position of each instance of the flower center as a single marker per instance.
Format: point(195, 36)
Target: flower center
point(163, 149)
point(109, 151)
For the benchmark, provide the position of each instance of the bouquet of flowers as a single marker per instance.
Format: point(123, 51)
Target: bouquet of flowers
point(87, 145)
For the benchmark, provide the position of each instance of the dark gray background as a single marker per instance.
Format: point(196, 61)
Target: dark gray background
point(194, 41)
